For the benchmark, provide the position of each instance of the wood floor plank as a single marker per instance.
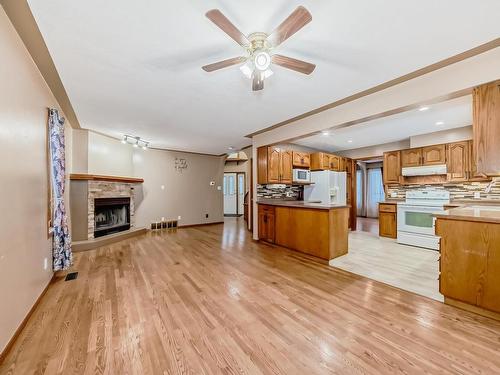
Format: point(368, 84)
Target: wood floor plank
point(210, 300)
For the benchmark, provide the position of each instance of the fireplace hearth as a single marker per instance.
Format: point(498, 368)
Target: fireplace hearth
point(111, 215)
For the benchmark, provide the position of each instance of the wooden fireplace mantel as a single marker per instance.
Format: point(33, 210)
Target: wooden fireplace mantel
point(97, 177)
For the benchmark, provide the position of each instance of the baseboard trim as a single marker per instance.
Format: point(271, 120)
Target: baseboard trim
point(471, 308)
point(19, 329)
point(200, 225)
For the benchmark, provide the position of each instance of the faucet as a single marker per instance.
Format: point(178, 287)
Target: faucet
point(488, 188)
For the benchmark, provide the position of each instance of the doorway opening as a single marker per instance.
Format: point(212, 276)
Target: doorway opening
point(234, 194)
point(369, 193)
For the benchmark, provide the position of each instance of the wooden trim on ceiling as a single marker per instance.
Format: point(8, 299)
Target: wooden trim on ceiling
point(417, 73)
point(23, 21)
point(392, 112)
point(97, 177)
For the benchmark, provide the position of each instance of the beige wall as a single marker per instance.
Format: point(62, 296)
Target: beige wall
point(187, 194)
point(169, 193)
point(24, 98)
point(445, 136)
point(108, 156)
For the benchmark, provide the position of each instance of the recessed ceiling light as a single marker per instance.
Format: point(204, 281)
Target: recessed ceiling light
point(326, 132)
point(349, 141)
point(440, 123)
point(230, 148)
point(424, 108)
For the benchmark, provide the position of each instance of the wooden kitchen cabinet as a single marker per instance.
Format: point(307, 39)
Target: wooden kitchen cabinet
point(387, 220)
point(301, 159)
point(411, 157)
point(274, 165)
point(474, 174)
point(392, 167)
point(266, 223)
point(347, 165)
point(469, 264)
point(335, 163)
point(486, 128)
point(434, 155)
point(458, 161)
point(320, 161)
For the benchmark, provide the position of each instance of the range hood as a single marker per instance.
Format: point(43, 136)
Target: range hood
point(427, 170)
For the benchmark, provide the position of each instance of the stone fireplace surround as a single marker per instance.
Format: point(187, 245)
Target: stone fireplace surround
point(84, 189)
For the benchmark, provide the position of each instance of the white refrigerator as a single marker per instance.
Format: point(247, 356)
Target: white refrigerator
point(327, 186)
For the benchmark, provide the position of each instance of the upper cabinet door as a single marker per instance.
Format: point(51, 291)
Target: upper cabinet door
point(486, 126)
point(335, 163)
point(262, 165)
point(411, 157)
point(286, 167)
point(474, 175)
point(392, 167)
point(348, 165)
point(432, 155)
point(301, 159)
point(273, 165)
point(458, 161)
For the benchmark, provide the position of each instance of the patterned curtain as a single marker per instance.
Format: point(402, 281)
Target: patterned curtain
point(61, 242)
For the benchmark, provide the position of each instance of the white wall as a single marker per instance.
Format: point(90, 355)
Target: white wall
point(24, 98)
point(445, 136)
point(377, 150)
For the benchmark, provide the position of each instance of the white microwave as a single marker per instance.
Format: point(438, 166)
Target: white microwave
point(301, 175)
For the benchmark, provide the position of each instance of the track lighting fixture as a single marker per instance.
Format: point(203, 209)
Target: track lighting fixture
point(135, 141)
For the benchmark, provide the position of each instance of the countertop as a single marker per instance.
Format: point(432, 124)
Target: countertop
point(301, 204)
point(481, 213)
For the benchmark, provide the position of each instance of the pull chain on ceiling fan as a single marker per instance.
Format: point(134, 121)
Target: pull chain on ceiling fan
point(259, 45)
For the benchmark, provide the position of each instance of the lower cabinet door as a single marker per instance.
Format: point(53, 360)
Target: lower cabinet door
point(266, 227)
point(387, 224)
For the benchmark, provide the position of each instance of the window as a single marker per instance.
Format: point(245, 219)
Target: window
point(375, 191)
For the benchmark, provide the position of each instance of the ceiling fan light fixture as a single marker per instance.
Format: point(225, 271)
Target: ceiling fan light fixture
point(247, 69)
point(262, 60)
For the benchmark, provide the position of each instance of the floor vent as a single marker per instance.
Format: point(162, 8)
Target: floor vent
point(71, 276)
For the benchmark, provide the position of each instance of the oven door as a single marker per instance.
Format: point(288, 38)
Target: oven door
point(417, 219)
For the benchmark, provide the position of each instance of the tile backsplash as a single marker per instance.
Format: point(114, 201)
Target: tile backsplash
point(278, 191)
point(464, 190)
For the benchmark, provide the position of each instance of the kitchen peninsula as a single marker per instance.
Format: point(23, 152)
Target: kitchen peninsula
point(316, 229)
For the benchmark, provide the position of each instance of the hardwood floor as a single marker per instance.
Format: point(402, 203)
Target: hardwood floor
point(210, 300)
point(383, 259)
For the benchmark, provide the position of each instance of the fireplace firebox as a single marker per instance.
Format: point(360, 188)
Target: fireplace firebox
point(111, 215)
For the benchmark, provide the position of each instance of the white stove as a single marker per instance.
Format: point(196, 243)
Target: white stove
point(415, 217)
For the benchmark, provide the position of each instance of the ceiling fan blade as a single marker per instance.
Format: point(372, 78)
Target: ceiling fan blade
point(216, 16)
point(293, 64)
point(258, 81)
point(295, 21)
point(223, 64)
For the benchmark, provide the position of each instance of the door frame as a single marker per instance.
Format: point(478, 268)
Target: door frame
point(237, 191)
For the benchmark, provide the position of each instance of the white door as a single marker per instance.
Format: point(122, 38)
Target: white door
point(241, 193)
point(230, 196)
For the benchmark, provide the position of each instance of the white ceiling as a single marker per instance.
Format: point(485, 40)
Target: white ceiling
point(454, 113)
point(135, 66)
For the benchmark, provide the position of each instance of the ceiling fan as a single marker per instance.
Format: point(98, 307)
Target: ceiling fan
point(259, 46)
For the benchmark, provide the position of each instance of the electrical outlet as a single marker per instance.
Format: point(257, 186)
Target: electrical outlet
point(179, 217)
point(162, 218)
point(45, 263)
point(477, 195)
